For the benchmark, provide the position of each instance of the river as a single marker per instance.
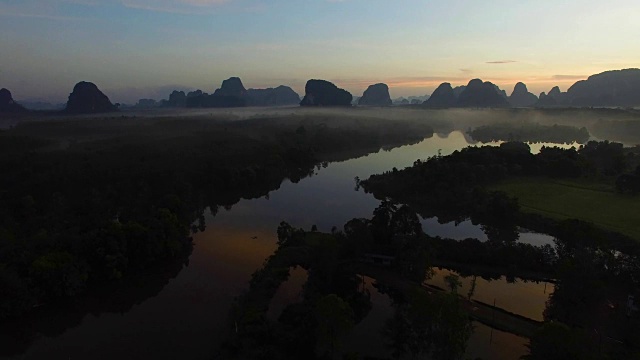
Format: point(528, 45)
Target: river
point(187, 317)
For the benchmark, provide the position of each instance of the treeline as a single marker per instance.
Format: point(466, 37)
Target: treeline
point(532, 133)
point(78, 214)
point(453, 188)
point(431, 184)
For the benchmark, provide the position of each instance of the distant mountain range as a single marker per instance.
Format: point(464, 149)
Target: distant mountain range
point(231, 93)
point(413, 100)
point(616, 88)
point(475, 94)
point(41, 104)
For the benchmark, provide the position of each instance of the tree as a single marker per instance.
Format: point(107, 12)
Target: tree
point(397, 332)
point(381, 222)
point(429, 324)
point(556, 341)
point(453, 329)
point(472, 289)
point(454, 282)
point(628, 183)
point(405, 222)
point(59, 273)
point(335, 320)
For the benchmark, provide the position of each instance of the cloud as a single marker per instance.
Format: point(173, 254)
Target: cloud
point(270, 46)
point(404, 82)
point(42, 16)
point(83, 2)
point(176, 6)
point(569, 77)
point(200, 2)
point(30, 9)
point(466, 70)
point(501, 62)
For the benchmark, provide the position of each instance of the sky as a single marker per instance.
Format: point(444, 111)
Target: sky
point(137, 49)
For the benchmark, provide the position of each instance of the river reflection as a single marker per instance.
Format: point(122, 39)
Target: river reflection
point(467, 229)
point(485, 343)
point(189, 315)
point(525, 298)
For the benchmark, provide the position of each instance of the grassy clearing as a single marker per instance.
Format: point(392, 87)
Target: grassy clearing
point(577, 199)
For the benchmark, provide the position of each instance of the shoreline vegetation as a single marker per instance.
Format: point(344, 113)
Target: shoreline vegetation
point(531, 133)
point(595, 268)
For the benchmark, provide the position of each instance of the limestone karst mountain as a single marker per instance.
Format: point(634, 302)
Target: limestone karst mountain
point(475, 94)
point(521, 97)
point(86, 98)
point(7, 104)
point(325, 93)
point(554, 98)
point(481, 94)
point(278, 96)
point(442, 97)
point(610, 88)
point(232, 93)
point(376, 95)
point(231, 87)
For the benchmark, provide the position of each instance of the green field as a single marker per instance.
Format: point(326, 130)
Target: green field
point(568, 199)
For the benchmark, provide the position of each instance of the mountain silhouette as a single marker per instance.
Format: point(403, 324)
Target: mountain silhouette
point(458, 90)
point(325, 93)
point(231, 87)
point(279, 96)
point(376, 95)
point(443, 97)
point(8, 105)
point(475, 94)
point(521, 97)
point(176, 99)
point(86, 98)
point(232, 93)
point(610, 88)
point(554, 98)
point(482, 94)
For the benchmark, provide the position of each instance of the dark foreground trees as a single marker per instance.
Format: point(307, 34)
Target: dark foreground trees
point(431, 325)
point(86, 202)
